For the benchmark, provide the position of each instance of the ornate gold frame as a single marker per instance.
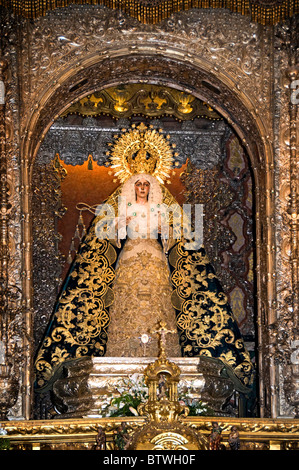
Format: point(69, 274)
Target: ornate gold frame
point(172, 64)
point(255, 434)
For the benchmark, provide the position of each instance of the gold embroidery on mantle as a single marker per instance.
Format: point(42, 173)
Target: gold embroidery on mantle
point(204, 317)
point(82, 314)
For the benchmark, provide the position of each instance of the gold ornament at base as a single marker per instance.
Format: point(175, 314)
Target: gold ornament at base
point(168, 436)
point(164, 429)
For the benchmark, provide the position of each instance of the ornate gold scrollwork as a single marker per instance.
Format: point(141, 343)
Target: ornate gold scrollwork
point(142, 99)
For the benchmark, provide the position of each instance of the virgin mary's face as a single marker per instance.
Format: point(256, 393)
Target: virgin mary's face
point(142, 188)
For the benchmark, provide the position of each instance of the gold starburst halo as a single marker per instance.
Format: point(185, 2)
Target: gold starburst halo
point(142, 149)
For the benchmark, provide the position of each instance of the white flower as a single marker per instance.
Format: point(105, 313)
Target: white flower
point(135, 378)
point(133, 411)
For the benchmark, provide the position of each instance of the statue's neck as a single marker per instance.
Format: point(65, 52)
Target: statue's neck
point(141, 201)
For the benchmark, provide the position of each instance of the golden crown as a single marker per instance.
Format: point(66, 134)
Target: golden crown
point(142, 150)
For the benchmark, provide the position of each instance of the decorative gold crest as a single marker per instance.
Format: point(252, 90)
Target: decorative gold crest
point(142, 150)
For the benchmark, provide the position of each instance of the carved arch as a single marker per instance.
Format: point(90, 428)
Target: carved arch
point(187, 73)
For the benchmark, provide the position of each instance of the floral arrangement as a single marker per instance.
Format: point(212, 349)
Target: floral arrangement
point(133, 391)
point(196, 406)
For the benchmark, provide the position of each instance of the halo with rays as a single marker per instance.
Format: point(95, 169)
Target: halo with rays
point(142, 150)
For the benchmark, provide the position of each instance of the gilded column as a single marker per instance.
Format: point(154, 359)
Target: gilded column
point(291, 382)
point(9, 377)
point(293, 74)
point(3, 216)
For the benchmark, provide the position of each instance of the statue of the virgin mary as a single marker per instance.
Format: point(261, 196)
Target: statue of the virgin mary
point(135, 269)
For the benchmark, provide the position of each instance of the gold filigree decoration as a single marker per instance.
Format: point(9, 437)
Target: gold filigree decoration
point(169, 441)
point(125, 101)
point(142, 150)
point(204, 315)
point(79, 326)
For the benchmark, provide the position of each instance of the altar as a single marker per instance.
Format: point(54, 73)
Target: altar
point(161, 421)
point(85, 386)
